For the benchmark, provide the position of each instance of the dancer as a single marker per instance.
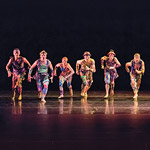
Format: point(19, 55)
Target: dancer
point(66, 75)
point(86, 72)
point(110, 72)
point(42, 76)
point(18, 73)
point(137, 70)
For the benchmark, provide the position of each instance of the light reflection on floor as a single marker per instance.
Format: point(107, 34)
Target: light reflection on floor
point(76, 123)
point(77, 106)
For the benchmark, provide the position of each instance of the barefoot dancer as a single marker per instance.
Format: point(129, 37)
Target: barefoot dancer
point(110, 72)
point(18, 73)
point(137, 69)
point(86, 72)
point(66, 75)
point(42, 76)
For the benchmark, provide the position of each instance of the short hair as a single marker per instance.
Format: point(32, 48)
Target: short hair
point(43, 52)
point(136, 54)
point(16, 49)
point(65, 58)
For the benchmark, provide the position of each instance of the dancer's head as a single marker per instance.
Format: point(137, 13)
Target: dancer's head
point(87, 55)
point(111, 54)
point(16, 52)
point(64, 60)
point(43, 54)
point(136, 57)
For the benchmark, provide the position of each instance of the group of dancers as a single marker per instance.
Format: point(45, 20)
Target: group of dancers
point(84, 67)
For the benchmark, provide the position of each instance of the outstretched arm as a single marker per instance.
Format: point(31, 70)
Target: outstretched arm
point(127, 65)
point(7, 67)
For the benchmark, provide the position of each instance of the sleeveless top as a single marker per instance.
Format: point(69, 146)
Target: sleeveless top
point(110, 63)
point(64, 70)
point(133, 66)
point(42, 68)
point(85, 64)
point(18, 65)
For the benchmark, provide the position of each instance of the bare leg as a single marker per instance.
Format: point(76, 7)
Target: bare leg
point(107, 90)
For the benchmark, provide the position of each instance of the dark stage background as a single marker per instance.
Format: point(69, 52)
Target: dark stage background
point(68, 28)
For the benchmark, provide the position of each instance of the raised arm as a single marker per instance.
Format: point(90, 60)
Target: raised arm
point(127, 65)
point(7, 67)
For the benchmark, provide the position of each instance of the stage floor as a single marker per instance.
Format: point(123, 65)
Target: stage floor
point(116, 123)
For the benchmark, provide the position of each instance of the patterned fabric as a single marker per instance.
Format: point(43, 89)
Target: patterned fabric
point(135, 81)
point(42, 68)
point(84, 72)
point(133, 66)
point(64, 70)
point(18, 65)
point(42, 77)
point(110, 74)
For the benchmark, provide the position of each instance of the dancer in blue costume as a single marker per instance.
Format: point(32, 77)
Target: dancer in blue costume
point(42, 76)
point(66, 75)
point(137, 70)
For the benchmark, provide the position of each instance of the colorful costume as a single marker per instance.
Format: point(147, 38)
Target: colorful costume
point(66, 75)
point(135, 78)
point(86, 75)
point(110, 74)
point(42, 78)
point(18, 75)
point(86, 72)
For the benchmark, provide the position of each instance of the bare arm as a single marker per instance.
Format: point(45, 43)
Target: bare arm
point(30, 70)
point(93, 68)
point(117, 63)
point(27, 62)
point(102, 61)
point(55, 70)
point(7, 67)
point(127, 65)
point(143, 67)
point(71, 71)
point(78, 63)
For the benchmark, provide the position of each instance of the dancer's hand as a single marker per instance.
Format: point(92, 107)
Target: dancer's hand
point(9, 74)
point(87, 68)
point(137, 71)
point(102, 67)
point(111, 67)
point(29, 78)
point(77, 72)
point(51, 79)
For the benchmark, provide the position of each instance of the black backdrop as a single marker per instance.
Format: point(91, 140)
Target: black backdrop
point(68, 28)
